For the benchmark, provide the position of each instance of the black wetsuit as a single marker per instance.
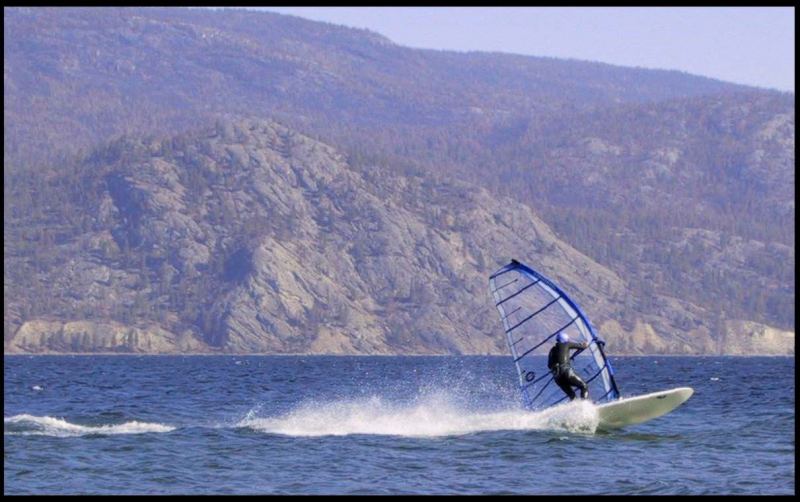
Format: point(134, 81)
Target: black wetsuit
point(565, 377)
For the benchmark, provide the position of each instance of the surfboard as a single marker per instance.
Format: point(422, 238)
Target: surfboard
point(639, 409)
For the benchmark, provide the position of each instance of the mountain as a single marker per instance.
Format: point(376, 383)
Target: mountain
point(74, 77)
point(252, 238)
point(663, 201)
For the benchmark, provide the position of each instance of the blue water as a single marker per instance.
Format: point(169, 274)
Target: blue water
point(383, 425)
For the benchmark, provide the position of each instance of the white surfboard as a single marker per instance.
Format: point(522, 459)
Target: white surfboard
point(638, 409)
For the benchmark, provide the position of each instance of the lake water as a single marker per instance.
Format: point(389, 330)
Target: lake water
point(383, 425)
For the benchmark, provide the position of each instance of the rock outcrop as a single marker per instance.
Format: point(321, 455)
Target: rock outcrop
point(56, 337)
point(750, 338)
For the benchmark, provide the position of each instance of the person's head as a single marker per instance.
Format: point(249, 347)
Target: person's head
point(562, 338)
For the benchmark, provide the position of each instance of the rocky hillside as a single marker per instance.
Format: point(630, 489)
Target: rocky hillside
point(248, 237)
point(680, 186)
point(691, 198)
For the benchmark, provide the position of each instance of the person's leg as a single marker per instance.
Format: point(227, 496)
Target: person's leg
point(577, 381)
point(565, 386)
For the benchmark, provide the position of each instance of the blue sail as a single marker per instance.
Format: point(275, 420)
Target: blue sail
point(533, 311)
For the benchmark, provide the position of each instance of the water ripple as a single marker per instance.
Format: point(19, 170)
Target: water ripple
point(341, 425)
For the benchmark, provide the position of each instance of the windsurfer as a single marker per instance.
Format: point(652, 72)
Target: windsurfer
point(558, 361)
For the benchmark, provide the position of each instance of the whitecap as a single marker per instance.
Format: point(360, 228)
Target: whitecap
point(50, 426)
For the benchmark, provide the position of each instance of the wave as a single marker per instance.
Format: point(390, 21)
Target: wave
point(430, 417)
point(30, 425)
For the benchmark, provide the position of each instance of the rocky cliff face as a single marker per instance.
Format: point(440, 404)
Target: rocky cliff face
point(56, 337)
point(251, 238)
point(748, 338)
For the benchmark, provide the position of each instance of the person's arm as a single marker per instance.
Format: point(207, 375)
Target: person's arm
point(581, 345)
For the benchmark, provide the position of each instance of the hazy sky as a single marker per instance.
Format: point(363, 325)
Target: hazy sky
point(747, 45)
